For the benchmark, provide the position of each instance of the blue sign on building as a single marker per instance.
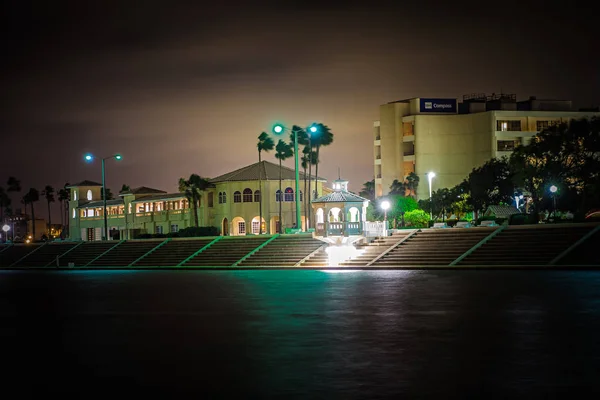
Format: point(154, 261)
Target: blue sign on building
point(438, 106)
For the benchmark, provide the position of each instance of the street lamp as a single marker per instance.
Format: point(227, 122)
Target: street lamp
point(278, 130)
point(430, 177)
point(5, 229)
point(553, 190)
point(90, 158)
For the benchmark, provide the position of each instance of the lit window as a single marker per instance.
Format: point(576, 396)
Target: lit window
point(255, 227)
point(74, 214)
point(89, 194)
point(74, 194)
point(541, 125)
point(289, 194)
point(257, 196)
point(90, 212)
point(507, 145)
point(237, 197)
point(241, 227)
point(129, 208)
point(505, 126)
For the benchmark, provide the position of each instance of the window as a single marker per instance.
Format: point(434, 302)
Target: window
point(159, 229)
point(74, 194)
point(89, 194)
point(278, 195)
point(289, 194)
point(74, 214)
point(505, 126)
point(210, 199)
point(129, 208)
point(242, 228)
point(224, 197)
point(541, 125)
point(301, 198)
point(255, 227)
point(90, 212)
point(174, 228)
point(507, 145)
point(257, 196)
point(220, 197)
point(247, 195)
point(237, 197)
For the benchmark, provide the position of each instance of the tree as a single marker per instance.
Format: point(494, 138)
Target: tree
point(412, 183)
point(397, 187)
point(109, 194)
point(4, 202)
point(283, 151)
point(124, 188)
point(13, 185)
point(266, 144)
point(368, 190)
point(48, 193)
point(323, 137)
point(307, 160)
point(489, 184)
point(64, 197)
point(193, 188)
point(31, 197)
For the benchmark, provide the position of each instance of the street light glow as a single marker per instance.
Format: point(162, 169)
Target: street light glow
point(88, 157)
point(6, 228)
point(118, 157)
point(278, 129)
point(385, 205)
point(553, 189)
point(313, 129)
point(431, 175)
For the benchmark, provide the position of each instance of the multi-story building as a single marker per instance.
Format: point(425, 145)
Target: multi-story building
point(423, 135)
point(231, 204)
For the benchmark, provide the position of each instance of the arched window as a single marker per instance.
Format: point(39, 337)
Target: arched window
point(289, 194)
point(278, 195)
point(257, 196)
point(75, 194)
point(89, 194)
point(237, 197)
point(129, 209)
point(224, 197)
point(247, 195)
point(220, 198)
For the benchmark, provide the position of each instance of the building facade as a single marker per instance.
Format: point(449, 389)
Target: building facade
point(231, 204)
point(423, 135)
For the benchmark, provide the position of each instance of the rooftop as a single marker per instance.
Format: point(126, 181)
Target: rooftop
point(85, 183)
point(268, 171)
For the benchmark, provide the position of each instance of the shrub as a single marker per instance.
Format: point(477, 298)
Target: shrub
point(416, 218)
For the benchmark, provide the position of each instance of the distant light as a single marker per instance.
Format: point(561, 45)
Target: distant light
point(521, 196)
point(88, 157)
point(431, 175)
point(385, 205)
point(6, 228)
point(553, 189)
point(313, 129)
point(118, 157)
point(278, 129)
point(27, 241)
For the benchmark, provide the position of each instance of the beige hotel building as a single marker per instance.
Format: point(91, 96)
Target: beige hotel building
point(450, 138)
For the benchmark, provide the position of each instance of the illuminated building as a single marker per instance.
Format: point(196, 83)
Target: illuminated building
point(423, 135)
point(231, 204)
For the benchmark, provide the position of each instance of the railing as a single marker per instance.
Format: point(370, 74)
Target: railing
point(375, 229)
point(339, 228)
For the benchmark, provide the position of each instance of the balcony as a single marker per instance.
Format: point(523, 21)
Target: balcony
point(338, 228)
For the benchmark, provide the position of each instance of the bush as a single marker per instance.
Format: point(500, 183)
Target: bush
point(194, 231)
point(416, 218)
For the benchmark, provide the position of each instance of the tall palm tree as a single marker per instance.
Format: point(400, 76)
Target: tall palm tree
point(323, 137)
point(412, 182)
point(305, 160)
point(265, 143)
point(4, 202)
point(283, 151)
point(63, 196)
point(193, 188)
point(31, 197)
point(48, 193)
point(398, 187)
point(368, 190)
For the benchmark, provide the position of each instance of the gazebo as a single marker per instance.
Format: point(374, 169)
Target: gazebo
point(339, 216)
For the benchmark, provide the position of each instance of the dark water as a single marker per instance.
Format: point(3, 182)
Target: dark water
point(301, 334)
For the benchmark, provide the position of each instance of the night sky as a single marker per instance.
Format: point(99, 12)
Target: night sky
point(181, 87)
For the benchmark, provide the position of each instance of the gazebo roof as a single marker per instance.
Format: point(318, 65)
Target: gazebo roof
point(340, 197)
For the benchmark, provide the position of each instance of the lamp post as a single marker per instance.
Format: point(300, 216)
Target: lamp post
point(385, 205)
point(430, 177)
point(90, 158)
point(278, 130)
point(5, 229)
point(553, 190)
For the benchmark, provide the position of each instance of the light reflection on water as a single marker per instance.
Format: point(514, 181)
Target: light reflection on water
point(303, 334)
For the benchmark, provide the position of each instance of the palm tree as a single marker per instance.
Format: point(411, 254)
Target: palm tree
point(4, 202)
point(283, 151)
point(324, 137)
point(368, 190)
point(63, 195)
point(398, 187)
point(48, 193)
point(109, 194)
point(265, 143)
point(305, 160)
point(31, 197)
point(192, 188)
point(412, 182)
